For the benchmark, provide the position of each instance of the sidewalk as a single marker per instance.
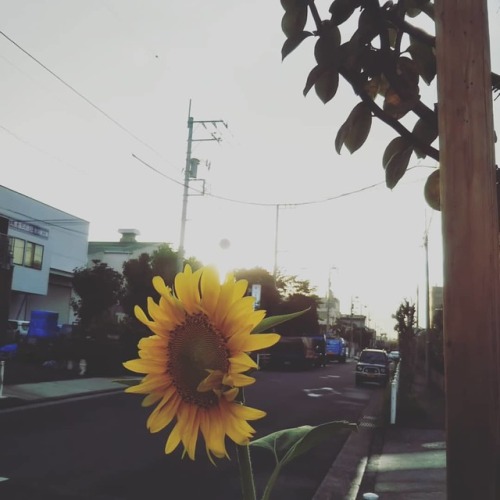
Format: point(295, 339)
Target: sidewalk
point(408, 459)
point(27, 384)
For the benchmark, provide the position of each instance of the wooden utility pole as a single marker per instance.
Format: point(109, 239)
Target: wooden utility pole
point(470, 240)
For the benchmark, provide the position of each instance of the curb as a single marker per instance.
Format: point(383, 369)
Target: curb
point(11, 403)
point(344, 478)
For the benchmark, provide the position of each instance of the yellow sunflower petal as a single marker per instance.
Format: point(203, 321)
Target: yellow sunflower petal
point(141, 316)
point(153, 341)
point(173, 439)
point(254, 342)
point(187, 291)
point(237, 431)
point(212, 381)
point(246, 412)
point(242, 358)
point(230, 395)
point(210, 289)
point(213, 432)
point(160, 315)
point(159, 383)
point(173, 308)
point(237, 380)
point(151, 399)
point(240, 289)
point(238, 314)
point(189, 425)
point(163, 415)
point(160, 287)
point(144, 366)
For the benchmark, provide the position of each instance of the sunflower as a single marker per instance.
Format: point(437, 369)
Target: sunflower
point(194, 363)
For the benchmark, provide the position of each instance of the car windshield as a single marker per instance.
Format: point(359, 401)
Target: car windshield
point(372, 357)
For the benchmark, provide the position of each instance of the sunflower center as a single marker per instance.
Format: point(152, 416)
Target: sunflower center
point(196, 346)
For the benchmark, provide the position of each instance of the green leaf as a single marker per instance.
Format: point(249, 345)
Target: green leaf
point(326, 85)
point(396, 161)
point(288, 444)
point(425, 133)
point(354, 131)
point(424, 58)
point(341, 10)
point(341, 135)
point(327, 45)
point(292, 43)
point(395, 146)
point(271, 321)
point(313, 76)
point(360, 122)
point(294, 19)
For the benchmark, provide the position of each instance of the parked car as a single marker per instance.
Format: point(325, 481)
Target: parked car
point(372, 366)
point(19, 326)
point(394, 356)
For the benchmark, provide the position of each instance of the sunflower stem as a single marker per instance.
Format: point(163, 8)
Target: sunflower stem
point(246, 473)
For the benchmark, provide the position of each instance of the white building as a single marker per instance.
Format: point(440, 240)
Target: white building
point(116, 253)
point(46, 245)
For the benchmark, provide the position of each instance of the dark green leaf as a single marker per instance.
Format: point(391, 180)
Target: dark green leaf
point(312, 78)
point(288, 444)
point(341, 135)
point(424, 58)
point(271, 321)
point(292, 43)
point(368, 27)
point(397, 145)
point(294, 20)
point(359, 123)
point(425, 133)
point(327, 45)
point(326, 85)
point(342, 10)
point(396, 166)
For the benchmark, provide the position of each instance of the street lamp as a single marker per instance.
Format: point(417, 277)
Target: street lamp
point(328, 298)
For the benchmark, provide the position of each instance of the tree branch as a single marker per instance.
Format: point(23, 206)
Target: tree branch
point(389, 120)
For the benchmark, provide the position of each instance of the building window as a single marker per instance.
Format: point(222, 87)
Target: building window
point(17, 251)
point(26, 253)
point(38, 257)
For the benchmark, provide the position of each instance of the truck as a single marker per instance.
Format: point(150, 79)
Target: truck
point(297, 351)
point(336, 349)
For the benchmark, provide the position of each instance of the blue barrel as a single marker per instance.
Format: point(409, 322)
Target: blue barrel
point(43, 324)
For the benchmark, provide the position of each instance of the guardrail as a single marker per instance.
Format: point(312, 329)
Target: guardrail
point(394, 393)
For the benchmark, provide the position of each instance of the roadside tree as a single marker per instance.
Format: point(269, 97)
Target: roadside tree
point(99, 288)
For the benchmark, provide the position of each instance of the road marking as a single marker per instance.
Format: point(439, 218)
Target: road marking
point(320, 391)
point(3, 479)
point(330, 376)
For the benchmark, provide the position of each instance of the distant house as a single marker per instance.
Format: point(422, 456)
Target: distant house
point(45, 246)
point(115, 253)
point(328, 312)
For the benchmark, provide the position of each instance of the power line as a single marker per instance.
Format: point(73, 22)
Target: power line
point(263, 204)
point(79, 94)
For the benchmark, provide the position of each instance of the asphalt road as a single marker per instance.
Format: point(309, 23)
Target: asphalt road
point(99, 449)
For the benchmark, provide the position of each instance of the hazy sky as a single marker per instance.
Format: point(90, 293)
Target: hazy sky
point(117, 80)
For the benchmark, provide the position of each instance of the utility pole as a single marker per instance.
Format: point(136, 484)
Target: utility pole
point(427, 309)
point(471, 298)
point(189, 173)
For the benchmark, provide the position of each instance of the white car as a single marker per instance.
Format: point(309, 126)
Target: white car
point(19, 327)
point(394, 356)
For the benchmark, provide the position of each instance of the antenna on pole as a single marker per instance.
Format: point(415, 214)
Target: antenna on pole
point(191, 173)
